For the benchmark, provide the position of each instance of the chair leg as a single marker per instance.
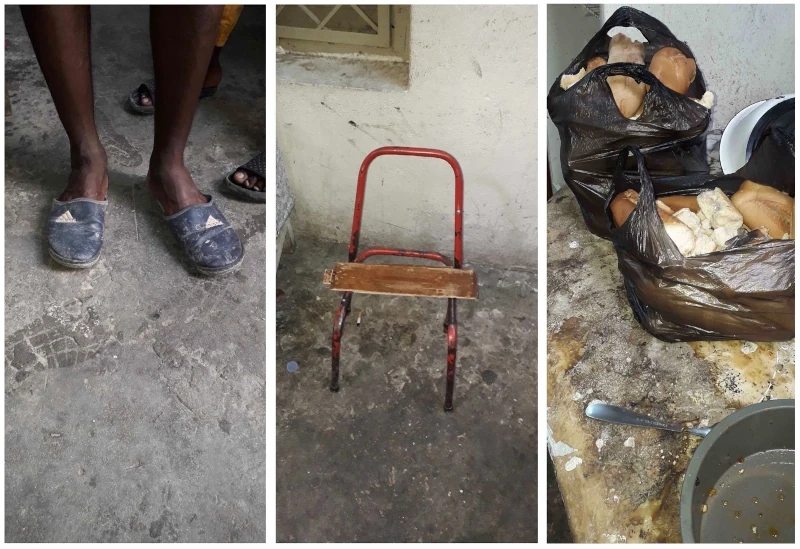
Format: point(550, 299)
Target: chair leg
point(451, 355)
point(338, 328)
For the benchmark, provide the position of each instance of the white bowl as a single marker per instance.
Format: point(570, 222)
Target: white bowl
point(733, 146)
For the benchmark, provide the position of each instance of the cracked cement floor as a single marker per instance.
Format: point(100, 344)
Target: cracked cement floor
point(135, 391)
point(380, 460)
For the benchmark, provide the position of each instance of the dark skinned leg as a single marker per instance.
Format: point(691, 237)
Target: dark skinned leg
point(181, 55)
point(212, 79)
point(60, 38)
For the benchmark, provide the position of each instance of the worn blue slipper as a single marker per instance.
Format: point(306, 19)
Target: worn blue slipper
point(75, 231)
point(211, 244)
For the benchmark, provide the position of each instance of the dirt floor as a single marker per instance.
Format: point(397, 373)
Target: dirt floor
point(380, 460)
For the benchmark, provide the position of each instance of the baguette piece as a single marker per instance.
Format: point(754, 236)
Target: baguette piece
point(569, 80)
point(622, 206)
point(767, 206)
point(683, 237)
point(673, 69)
point(679, 202)
point(628, 95)
point(722, 234)
point(719, 210)
point(704, 244)
point(595, 62)
point(690, 219)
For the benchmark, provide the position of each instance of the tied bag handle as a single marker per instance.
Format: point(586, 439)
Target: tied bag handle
point(631, 17)
point(632, 70)
point(640, 73)
point(627, 17)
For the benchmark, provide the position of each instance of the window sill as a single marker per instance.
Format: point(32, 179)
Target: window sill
point(342, 72)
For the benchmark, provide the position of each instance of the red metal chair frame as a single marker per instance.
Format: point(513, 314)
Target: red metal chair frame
point(450, 323)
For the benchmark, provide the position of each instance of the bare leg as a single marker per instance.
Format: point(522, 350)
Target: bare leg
point(60, 38)
point(182, 39)
point(212, 79)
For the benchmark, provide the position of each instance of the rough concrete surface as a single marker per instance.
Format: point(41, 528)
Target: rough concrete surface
point(135, 391)
point(623, 483)
point(380, 460)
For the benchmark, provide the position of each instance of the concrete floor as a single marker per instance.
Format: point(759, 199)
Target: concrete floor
point(135, 391)
point(380, 460)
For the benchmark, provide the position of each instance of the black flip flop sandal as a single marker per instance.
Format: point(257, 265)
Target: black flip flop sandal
point(149, 87)
point(256, 166)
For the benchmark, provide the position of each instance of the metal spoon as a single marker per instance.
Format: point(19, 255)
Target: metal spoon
point(622, 416)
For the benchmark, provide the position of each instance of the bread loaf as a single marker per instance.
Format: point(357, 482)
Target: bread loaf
point(595, 62)
point(681, 235)
point(673, 69)
point(680, 202)
point(764, 205)
point(628, 94)
point(622, 206)
point(624, 203)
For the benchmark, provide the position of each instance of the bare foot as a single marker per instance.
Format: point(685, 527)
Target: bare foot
point(88, 177)
point(173, 188)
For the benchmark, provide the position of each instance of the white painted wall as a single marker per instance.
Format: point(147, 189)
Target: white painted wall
point(746, 52)
point(473, 93)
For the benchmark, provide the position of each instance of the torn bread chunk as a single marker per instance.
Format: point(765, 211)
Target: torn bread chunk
point(569, 80)
point(722, 234)
point(719, 210)
point(681, 235)
point(690, 219)
point(703, 244)
point(707, 100)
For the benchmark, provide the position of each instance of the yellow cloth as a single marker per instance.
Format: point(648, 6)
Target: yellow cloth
point(230, 16)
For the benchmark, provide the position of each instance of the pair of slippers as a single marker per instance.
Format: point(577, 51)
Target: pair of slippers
point(76, 227)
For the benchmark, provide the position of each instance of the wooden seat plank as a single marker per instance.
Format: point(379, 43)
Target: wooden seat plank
point(405, 280)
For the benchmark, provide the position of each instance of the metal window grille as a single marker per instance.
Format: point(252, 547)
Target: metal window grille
point(344, 24)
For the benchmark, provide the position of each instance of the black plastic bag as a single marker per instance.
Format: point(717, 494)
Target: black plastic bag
point(771, 145)
point(741, 293)
point(593, 131)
